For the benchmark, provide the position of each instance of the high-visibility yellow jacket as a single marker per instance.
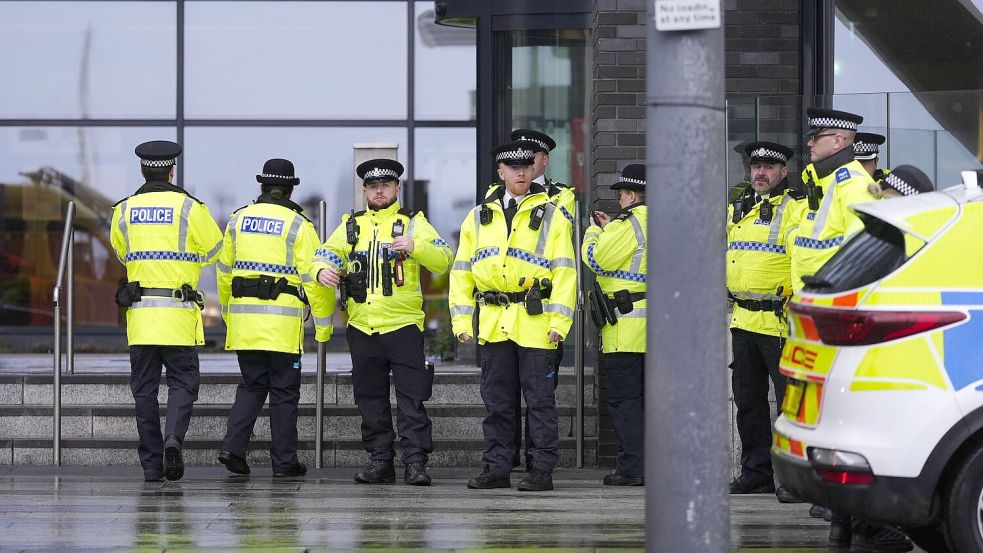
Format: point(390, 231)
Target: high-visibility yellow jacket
point(380, 313)
point(820, 233)
point(559, 193)
point(618, 255)
point(164, 236)
point(271, 238)
point(491, 259)
point(758, 262)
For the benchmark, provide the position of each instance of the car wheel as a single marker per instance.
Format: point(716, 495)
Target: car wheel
point(964, 507)
point(929, 538)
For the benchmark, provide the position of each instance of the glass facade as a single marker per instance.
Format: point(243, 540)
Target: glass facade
point(236, 82)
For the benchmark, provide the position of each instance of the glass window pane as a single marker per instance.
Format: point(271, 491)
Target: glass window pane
point(440, 52)
point(41, 170)
point(88, 59)
point(296, 60)
point(444, 166)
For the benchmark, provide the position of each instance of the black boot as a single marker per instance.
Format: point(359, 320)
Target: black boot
point(615, 479)
point(415, 474)
point(233, 462)
point(173, 460)
point(840, 530)
point(537, 481)
point(488, 480)
point(745, 484)
point(378, 472)
point(879, 539)
point(300, 469)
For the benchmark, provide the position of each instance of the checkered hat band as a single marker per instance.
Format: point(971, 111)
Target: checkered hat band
point(633, 181)
point(157, 162)
point(515, 154)
point(765, 152)
point(896, 183)
point(832, 123)
point(380, 172)
point(865, 148)
point(272, 176)
point(536, 141)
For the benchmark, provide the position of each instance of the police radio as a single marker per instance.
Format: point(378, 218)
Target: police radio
point(767, 210)
point(484, 214)
point(813, 192)
point(536, 218)
point(742, 205)
point(397, 275)
point(351, 229)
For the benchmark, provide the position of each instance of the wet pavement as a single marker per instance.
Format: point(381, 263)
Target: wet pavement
point(111, 508)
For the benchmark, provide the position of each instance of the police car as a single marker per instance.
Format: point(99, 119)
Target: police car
point(883, 413)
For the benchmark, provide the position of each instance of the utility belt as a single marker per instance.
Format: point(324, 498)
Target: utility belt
point(773, 306)
point(265, 287)
point(539, 289)
point(129, 293)
point(604, 309)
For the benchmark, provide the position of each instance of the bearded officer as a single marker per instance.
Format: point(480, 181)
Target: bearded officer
point(264, 285)
point(376, 257)
point(163, 236)
point(515, 260)
point(616, 250)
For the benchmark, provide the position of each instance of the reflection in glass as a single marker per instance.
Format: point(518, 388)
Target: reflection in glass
point(41, 170)
point(445, 163)
point(87, 59)
point(445, 78)
point(296, 60)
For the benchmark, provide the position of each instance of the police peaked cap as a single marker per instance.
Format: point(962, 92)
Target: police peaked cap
point(866, 145)
point(514, 153)
point(278, 171)
point(632, 178)
point(909, 180)
point(821, 118)
point(379, 170)
point(158, 153)
point(768, 152)
point(544, 143)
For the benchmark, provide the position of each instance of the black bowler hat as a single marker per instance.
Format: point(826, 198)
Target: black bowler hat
point(379, 169)
point(158, 153)
point(514, 153)
point(908, 180)
point(544, 143)
point(768, 152)
point(866, 145)
point(278, 171)
point(821, 118)
point(632, 178)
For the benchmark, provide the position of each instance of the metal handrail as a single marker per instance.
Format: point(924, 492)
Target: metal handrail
point(578, 338)
point(65, 265)
point(322, 231)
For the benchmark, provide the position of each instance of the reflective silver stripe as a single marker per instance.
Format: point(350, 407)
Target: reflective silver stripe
point(291, 238)
point(266, 310)
point(558, 308)
point(410, 228)
point(305, 278)
point(462, 310)
point(544, 230)
point(776, 221)
point(636, 258)
point(214, 251)
point(182, 229)
point(123, 228)
point(233, 232)
point(822, 214)
point(591, 234)
point(222, 267)
point(322, 321)
point(462, 266)
point(477, 223)
point(755, 296)
point(634, 314)
point(562, 262)
point(225, 309)
point(164, 303)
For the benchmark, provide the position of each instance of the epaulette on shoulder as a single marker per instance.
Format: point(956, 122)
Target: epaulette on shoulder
point(795, 194)
point(121, 201)
point(238, 209)
point(623, 216)
point(408, 212)
point(558, 184)
point(359, 213)
point(194, 198)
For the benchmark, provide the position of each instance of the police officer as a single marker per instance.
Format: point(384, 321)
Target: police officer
point(163, 236)
point(759, 282)
point(832, 183)
point(515, 260)
point(264, 284)
point(867, 150)
point(617, 251)
point(376, 257)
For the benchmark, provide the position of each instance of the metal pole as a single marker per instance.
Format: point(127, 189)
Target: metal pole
point(70, 303)
point(578, 342)
point(687, 504)
point(63, 257)
point(322, 231)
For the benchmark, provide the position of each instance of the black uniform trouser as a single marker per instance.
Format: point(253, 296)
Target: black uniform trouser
point(182, 390)
point(374, 356)
point(519, 413)
point(626, 399)
point(505, 368)
point(277, 375)
point(756, 357)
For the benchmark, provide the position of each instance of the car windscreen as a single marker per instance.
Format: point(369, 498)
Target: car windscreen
point(869, 256)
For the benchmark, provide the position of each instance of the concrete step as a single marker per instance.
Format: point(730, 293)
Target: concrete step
point(450, 388)
point(336, 453)
point(209, 422)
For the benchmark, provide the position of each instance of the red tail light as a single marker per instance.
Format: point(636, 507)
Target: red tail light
point(847, 478)
point(845, 327)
